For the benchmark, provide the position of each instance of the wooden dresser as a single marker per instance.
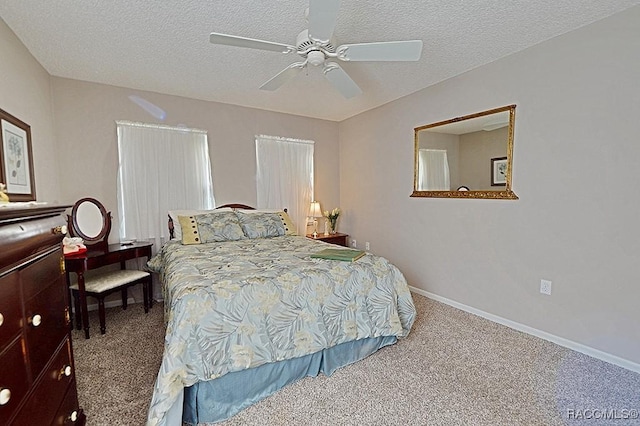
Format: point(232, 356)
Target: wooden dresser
point(37, 372)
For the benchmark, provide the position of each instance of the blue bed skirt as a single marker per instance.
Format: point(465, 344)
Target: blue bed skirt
point(217, 400)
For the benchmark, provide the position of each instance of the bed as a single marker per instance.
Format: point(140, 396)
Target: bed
point(248, 311)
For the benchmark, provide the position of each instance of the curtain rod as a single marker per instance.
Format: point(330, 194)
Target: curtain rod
point(283, 139)
point(159, 126)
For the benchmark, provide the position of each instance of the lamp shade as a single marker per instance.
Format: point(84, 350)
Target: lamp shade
point(315, 210)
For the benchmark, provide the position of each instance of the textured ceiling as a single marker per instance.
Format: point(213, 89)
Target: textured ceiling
point(163, 46)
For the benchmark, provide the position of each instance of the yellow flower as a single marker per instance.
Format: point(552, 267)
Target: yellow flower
point(333, 214)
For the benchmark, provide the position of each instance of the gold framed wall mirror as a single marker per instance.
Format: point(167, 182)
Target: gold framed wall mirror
point(466, 157)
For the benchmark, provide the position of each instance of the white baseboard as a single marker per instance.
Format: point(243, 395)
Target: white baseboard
point(587, 350)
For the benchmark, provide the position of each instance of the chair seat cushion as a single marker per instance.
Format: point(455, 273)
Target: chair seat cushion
point(110, 280)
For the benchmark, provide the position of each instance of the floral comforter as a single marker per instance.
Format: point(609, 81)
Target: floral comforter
point(235, 305)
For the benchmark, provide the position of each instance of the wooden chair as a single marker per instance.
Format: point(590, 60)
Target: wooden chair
point(103, 284)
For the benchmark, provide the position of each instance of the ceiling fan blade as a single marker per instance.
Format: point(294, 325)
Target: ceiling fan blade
point(409, 50)
point(230, 40)
point(322, 19)
point(341, 80)
point(284, 76)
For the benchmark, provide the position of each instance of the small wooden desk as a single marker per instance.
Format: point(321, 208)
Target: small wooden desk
point(95, 258)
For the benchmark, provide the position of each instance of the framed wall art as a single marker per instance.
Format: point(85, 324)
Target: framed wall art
point(16, 158)
point(499, 171)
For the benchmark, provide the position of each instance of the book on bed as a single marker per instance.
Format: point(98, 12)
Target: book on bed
point(347, 255)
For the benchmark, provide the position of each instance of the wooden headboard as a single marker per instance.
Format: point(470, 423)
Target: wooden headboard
point(236, 206)
point(232, 205)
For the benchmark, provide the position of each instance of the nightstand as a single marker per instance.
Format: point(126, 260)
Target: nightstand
point(337, 238)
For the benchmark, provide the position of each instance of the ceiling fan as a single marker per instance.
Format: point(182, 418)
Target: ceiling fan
point(316, 47)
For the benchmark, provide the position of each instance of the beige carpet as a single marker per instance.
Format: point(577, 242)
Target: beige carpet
point(453, 369)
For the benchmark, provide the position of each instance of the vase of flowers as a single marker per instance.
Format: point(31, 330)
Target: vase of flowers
point(332, 219)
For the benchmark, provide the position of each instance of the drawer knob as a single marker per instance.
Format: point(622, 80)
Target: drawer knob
point(64, 372)
point(36, 320)
point(73, 416)
point(5, 396)
point(1, 319)
point(59, 229)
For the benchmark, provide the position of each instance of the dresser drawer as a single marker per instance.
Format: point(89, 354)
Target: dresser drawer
point(13, 380)
point(23, 240)
point(46, 323)
point(44, 401)
point(10, 308)
point(40, 274)
point(69, 412)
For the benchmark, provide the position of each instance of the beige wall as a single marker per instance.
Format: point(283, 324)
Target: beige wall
point(576, 156)
point(25, 92)
point(87, 141)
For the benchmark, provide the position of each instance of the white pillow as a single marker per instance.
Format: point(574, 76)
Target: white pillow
point(173, 214)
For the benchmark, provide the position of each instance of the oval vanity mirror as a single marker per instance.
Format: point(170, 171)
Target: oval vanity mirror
point(90, 221)
point(473, 153)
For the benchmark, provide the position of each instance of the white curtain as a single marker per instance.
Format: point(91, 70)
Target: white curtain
point(433, 170)
point(285, 176)
point(161, 168)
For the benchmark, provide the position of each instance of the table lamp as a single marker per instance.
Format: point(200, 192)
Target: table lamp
point(315, 211)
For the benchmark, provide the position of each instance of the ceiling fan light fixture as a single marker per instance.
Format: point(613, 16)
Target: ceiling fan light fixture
point(315, 58)
point(316, 47)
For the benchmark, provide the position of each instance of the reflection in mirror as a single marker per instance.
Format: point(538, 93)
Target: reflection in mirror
point(89, 218)
point(466, 157)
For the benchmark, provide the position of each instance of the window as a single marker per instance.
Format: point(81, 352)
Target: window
point(161, 168)
point(285, 176)
point(433, 170)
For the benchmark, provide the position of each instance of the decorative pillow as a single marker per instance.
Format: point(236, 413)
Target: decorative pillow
point(173, 214)
point(261, 224)
point(289, 227)
point(210, 227)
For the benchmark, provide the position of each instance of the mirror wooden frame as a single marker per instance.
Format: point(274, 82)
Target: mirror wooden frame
point(101, 240)
point(506, 194)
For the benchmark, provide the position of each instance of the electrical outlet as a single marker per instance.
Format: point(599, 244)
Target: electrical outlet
point(367, 246)
point(354, 244)
point(545, 287)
